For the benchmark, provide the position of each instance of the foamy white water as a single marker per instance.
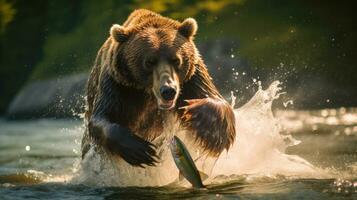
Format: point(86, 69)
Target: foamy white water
point(259, 150)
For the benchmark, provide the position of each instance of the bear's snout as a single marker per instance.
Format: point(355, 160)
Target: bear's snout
point(166, 86)
point(168, 93)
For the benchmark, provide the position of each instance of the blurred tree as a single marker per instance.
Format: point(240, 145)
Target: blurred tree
point(7, 13)
point(20, 47)
point(175, 8)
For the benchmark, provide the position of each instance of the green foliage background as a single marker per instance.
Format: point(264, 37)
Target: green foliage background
point(44, 39)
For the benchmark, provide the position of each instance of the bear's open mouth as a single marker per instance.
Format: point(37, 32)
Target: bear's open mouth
point(166, 105)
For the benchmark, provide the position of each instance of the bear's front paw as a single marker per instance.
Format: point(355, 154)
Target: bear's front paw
point(130, 147)
point(213, 122)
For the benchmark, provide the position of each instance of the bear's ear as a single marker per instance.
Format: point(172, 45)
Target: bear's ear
point(188, 28)
point(119, 33)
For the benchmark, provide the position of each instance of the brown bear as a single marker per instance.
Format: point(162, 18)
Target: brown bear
point(147, 67)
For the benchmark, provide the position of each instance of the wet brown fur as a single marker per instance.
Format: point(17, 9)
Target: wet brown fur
point(118, 88)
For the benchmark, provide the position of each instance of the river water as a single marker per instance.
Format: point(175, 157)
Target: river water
point(285, 154)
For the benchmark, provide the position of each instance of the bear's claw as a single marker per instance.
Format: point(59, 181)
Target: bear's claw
point(213, 122)
point(133, 149)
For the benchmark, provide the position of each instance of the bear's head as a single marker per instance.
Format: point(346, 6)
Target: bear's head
point(157, 56)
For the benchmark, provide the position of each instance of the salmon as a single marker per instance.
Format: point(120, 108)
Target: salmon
point(184, 163)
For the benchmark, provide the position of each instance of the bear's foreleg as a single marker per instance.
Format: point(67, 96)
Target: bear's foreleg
point(206, 113)
point(113, 137)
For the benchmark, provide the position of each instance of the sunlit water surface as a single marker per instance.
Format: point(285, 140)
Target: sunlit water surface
point(285, 155)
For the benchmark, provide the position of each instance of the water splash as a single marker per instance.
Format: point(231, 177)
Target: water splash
point(259, 150)
point(101, 170)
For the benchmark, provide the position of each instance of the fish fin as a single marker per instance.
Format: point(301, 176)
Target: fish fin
point(203, 175)
point(181, 177)
point(199, 157)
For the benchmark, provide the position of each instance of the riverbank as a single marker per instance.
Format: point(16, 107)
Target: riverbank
point(60, 97)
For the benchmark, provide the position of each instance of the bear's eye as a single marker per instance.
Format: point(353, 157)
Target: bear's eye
point(150, 62)
point(176, 62)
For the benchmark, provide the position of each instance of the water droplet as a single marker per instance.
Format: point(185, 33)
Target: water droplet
point(348, 131)
point(291, 102)
point(324, 113)
point(314, 127)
